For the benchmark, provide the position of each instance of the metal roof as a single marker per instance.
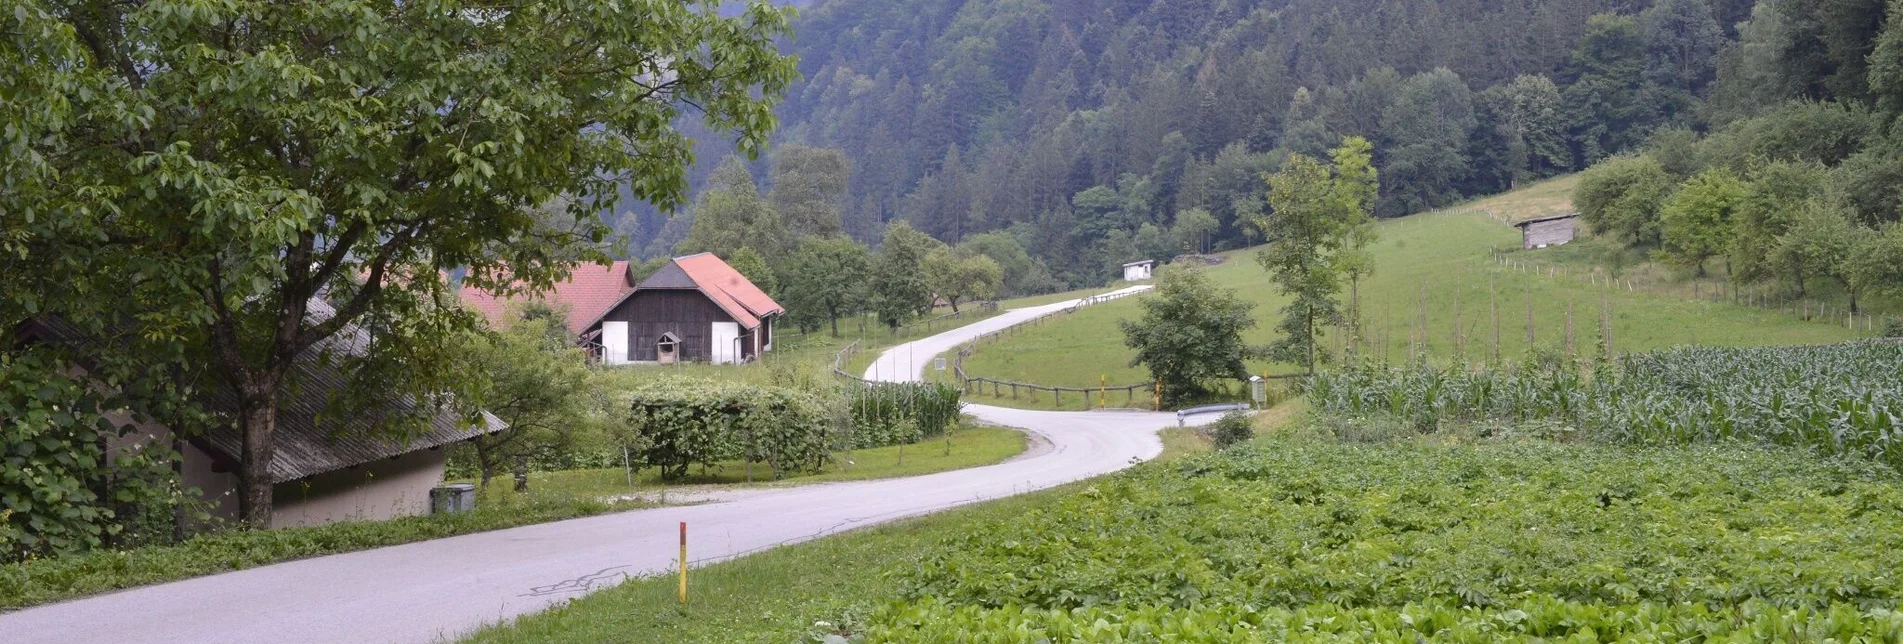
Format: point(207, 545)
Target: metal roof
point(1525, 222)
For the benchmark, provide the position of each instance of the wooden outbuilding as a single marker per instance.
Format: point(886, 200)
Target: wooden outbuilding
point(1541, 232)
point(694, 309)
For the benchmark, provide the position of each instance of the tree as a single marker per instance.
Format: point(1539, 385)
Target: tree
point(1190, 333)
point(1681, 43)
point(1606, 107)
point(899, 289)
point(1427, 127)
point(276, 173)
point(826, 279)
point(1622, 196)
point(1697, 220)
point(809, 188)
point(1153, 243)
point(1886, 62)
point(1193, 229)
point(1875, 263)
point(535, 380)
point(1779, 192)
point(1014, 264)
point(1313, 238)
point(959, 274)
point(1819, 243)
point(1538, 127)
point(731, 214)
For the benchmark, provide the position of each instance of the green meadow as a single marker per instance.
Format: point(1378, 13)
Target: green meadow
point(1439, 286)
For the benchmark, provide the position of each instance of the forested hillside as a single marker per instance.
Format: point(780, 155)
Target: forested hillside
point(1093, 132)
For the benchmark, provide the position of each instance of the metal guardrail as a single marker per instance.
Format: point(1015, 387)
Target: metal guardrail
point(1182, 414)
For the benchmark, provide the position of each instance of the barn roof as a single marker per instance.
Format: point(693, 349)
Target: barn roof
point(1528, 222)
point(308, 441)
point(587, 294)
point(721, 283)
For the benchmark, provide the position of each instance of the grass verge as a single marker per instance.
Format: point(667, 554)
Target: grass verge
point(775, 596)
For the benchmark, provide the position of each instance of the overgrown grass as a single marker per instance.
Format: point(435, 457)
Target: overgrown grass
point(552, 496)
point(1446, 257)
point(775, 596)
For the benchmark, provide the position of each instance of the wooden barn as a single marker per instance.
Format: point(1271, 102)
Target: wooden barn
point(1541, 232)
point(694, 309)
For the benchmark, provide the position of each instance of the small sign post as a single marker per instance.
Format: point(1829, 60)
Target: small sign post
point(938, 363)
point(683, 563)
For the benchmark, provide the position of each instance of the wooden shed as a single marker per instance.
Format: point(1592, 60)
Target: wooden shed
point(694, 309)
point(1541, 232)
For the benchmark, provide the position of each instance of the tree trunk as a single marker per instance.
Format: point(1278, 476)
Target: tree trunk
point(833, 316)
point(258, 417)
point(954, 303)
point(522, 475)
point(485, 461)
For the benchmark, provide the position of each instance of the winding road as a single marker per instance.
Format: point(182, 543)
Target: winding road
point(435, 590)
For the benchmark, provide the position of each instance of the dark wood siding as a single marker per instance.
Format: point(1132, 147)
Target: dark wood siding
point(687, 314)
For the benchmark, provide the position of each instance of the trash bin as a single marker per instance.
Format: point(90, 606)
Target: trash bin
point(452, 499)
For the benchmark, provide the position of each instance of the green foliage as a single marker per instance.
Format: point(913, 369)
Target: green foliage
point(899, 290)
point(1623, 197)
point(1318, 229)
point(956, 275)
point(1697, 220)
point(209, 182)
point(1234, 428)
point(677, 423)
point(1457, 537)
point(1189, 335)
point(1536, 618)
point(899, 413)
point(825, 280)
point(1841, 400)
point(752, 266)
point(732, 215)
point(59, 494)
point(1427, 129)
point(531, 376)
point(809, 189)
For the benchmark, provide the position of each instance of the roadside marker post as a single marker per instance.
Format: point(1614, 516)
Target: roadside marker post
point(683, 563)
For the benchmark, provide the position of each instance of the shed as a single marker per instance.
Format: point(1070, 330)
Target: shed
point(1139, 271)
point(1541, 232)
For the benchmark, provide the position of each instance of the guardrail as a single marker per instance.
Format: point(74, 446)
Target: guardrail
point(1182, 414)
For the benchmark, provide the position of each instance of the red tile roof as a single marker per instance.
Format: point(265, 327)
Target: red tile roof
point(727, 287)
point(587, 294)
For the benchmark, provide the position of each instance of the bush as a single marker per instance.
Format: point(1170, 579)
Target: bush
point(1234, 428)
point(681, 422)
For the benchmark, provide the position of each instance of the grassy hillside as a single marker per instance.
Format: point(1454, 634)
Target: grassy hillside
point(1444, 258)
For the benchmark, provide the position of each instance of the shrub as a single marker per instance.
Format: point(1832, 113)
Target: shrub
point(1234, 428)
point(682, 422)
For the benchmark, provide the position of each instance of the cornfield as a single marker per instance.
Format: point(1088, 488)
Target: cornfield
point(1837, 400)
point(894, 413)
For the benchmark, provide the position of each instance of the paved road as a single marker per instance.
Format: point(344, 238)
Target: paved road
point(440, 589)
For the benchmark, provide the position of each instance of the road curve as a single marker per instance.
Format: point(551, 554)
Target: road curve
point(440, 589)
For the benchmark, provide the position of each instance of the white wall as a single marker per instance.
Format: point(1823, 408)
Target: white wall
point(614, 342)
point(384, 489)
point(1136, 273)
point(726, 336)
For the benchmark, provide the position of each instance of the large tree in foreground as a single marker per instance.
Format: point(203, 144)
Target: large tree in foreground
point(273, 172)
point(1190, 335)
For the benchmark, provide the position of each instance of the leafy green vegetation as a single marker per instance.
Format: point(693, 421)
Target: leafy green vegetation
point(1835, 400)
point(1465, 532)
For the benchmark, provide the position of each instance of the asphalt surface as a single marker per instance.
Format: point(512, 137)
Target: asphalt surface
point(437, 590)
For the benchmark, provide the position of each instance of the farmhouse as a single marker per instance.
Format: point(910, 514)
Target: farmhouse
point(327, 467)
point(694, 309)
point(1541, 232)
point(1138, 271)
